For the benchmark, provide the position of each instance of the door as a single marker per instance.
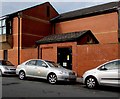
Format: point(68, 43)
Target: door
point(5, 55)
point(64, 57)
point(109, 73)
point(30, 68)
point(42, 69)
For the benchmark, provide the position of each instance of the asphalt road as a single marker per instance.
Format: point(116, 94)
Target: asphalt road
point(13, 87)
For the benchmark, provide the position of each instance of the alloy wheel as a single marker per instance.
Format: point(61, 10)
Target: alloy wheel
point(91, 82)
point(21, 75)
point(52, 78)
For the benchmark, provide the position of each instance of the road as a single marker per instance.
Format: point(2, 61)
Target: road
point(13, 87)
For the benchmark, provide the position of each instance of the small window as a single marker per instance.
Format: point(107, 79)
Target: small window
point(0, 30)
point(4, 30)
point(48, 11)
point(5, 26)
point(9, 26)
point(89, 40)
point(4, 22)
point(32, 62)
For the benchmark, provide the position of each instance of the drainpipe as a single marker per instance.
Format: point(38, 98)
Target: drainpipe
point(18, 38)
point(38, 51)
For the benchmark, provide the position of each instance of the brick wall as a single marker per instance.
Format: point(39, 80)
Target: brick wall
point(1, 55)
point(35, 24)
point(13, 56)
point(49, 51)
point(90, 56)
point(104, 27)
point(31, 53)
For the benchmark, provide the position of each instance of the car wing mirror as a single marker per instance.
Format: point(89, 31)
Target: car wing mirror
point(102, 68)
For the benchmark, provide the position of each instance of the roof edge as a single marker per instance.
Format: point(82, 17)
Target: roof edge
point(71, 37)
point(113, 6)
point(16, 13)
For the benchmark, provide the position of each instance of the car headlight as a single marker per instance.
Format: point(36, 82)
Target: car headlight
point(6, 68)
point(62, 72)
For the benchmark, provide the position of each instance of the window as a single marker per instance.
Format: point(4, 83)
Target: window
point(48, 11)
point(40, 63)
point(89, 40)
point(32, 62)
point(112, 65)
point(5, 26)
point(7, 63)
point(2, 26)
point(4, 30)
point(9, 26)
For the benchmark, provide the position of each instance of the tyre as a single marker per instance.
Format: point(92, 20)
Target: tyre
point(52, 78)
point(22, 75)
point(1, 73)
point(91, 82)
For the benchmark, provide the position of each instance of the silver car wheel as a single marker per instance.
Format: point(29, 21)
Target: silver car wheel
point(21, 75)
point(91, 82)
point(52, 78)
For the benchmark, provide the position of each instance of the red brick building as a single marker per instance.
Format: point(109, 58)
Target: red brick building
point(24, 28)
point(78, 40)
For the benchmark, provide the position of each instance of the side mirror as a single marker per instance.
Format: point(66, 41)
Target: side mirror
point(102, 68)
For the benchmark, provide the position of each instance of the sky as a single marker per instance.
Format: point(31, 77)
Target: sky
point(62, 6)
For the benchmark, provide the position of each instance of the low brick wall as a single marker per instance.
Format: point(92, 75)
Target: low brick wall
point(90, 56)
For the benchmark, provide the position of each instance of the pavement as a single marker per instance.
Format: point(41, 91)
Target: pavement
point(79, 80)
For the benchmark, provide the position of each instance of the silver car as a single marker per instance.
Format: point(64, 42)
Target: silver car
point(106, 74)
point(7, 68)
point(48, 70)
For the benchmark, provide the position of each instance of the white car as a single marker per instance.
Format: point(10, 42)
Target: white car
point(7, 68)
point(48, 70)
point(106, 74)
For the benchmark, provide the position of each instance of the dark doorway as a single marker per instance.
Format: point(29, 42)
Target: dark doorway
point(64, 57)
point(5, 55)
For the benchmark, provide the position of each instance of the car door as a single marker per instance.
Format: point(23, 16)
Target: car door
point(108, 73)
point(42, 69)
point(30, 67)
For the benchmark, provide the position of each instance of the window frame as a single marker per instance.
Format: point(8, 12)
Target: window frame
point(107, 65)
point(43, 64)
point(29, 63)
point(2, 26)
point(6, 26)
